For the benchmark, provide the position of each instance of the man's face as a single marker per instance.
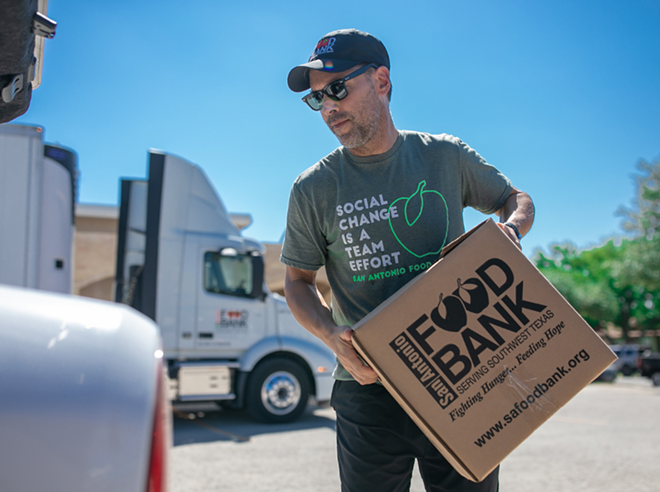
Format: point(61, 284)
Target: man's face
point(355, 119)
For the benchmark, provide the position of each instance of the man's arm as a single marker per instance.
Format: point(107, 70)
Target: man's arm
point(519, 211)
point(311, 311)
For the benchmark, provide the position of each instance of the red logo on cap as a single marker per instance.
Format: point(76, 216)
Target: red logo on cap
point(324, 46)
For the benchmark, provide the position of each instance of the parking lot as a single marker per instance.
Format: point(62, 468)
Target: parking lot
point(605, 439)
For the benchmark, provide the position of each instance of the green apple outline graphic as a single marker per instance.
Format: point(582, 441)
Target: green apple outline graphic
point(418, 193)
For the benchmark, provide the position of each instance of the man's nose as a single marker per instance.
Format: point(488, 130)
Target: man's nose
point(329, 104)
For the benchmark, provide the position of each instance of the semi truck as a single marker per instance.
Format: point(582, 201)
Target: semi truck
point(181, 261)
point(184, 264)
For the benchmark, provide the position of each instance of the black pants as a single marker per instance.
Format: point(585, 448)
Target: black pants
point(377, 444)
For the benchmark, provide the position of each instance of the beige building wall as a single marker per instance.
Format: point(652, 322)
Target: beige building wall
point(95, 251)
point(95, 254)
point(275, 273)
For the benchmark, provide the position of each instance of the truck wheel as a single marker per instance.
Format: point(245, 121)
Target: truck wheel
point(627, 371)
point(656, 379)
point(277, 391)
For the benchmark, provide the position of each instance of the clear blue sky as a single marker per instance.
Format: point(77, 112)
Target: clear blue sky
point(563, 96)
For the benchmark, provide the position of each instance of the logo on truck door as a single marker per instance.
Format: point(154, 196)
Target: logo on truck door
point(231, 318)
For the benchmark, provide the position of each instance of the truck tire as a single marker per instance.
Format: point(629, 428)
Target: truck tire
point(627, 370)
point(277, 392)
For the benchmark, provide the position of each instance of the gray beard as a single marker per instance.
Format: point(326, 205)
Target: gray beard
point(361, 133)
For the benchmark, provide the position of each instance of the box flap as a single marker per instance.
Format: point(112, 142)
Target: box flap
point(448, 249)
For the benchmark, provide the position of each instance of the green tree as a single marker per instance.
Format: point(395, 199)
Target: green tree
point(643, 218)
point(617, 282)
point(642, 222)
point(641, 265)
point(584, 279)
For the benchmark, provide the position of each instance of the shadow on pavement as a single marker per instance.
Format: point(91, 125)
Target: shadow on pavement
point(191, 427)
point(200, 425)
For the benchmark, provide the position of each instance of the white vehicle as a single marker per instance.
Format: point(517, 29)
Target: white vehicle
point(182, 262)
point(83, 396)
point(37, 195)
point(82, 392)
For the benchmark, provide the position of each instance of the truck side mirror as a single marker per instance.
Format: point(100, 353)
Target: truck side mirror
point(257, 277)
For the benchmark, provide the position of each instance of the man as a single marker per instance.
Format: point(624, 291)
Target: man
point(379, 205)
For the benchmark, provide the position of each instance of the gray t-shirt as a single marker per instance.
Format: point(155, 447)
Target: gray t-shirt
point(377, 222)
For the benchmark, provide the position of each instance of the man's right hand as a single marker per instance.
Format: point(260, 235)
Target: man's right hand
point(310, 310)
point(341, 344)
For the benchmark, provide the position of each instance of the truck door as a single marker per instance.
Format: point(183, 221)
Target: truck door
point(231, 309)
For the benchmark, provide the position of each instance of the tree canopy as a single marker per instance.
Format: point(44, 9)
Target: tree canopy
point(617, 283)
point(642, 265)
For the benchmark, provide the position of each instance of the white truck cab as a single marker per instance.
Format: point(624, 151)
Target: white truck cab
point(182, 262)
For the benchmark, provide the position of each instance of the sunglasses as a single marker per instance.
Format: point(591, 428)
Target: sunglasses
point(334, 90)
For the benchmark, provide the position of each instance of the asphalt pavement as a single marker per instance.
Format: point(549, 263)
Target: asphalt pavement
point(605, 439)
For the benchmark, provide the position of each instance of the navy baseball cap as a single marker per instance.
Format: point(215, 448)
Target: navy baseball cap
point(338, 51)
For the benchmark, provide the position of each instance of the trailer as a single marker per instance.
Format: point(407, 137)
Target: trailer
point(37, 200)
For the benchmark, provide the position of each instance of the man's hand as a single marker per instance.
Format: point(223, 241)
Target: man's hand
point(310, 310)
point(511, 235)
point(340, 343)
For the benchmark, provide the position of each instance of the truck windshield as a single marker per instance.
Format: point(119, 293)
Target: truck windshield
point(229, 275)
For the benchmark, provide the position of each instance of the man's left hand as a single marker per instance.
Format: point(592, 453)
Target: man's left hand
point(511, 234)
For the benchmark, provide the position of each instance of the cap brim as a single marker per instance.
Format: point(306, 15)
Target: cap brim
point(298, 79)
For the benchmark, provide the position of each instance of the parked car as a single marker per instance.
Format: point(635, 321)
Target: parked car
point(609, 374)
point(628, 358)
point(84, 403)
point(649, 366)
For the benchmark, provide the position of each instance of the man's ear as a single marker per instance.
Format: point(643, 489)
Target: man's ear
point(382, 76)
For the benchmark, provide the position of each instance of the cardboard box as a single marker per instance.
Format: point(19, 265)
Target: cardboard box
point(480, 350)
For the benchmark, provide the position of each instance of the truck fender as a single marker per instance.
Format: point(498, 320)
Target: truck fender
point(313, 354)
point(319, 359)
point(316, 355)
point(258, 351)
